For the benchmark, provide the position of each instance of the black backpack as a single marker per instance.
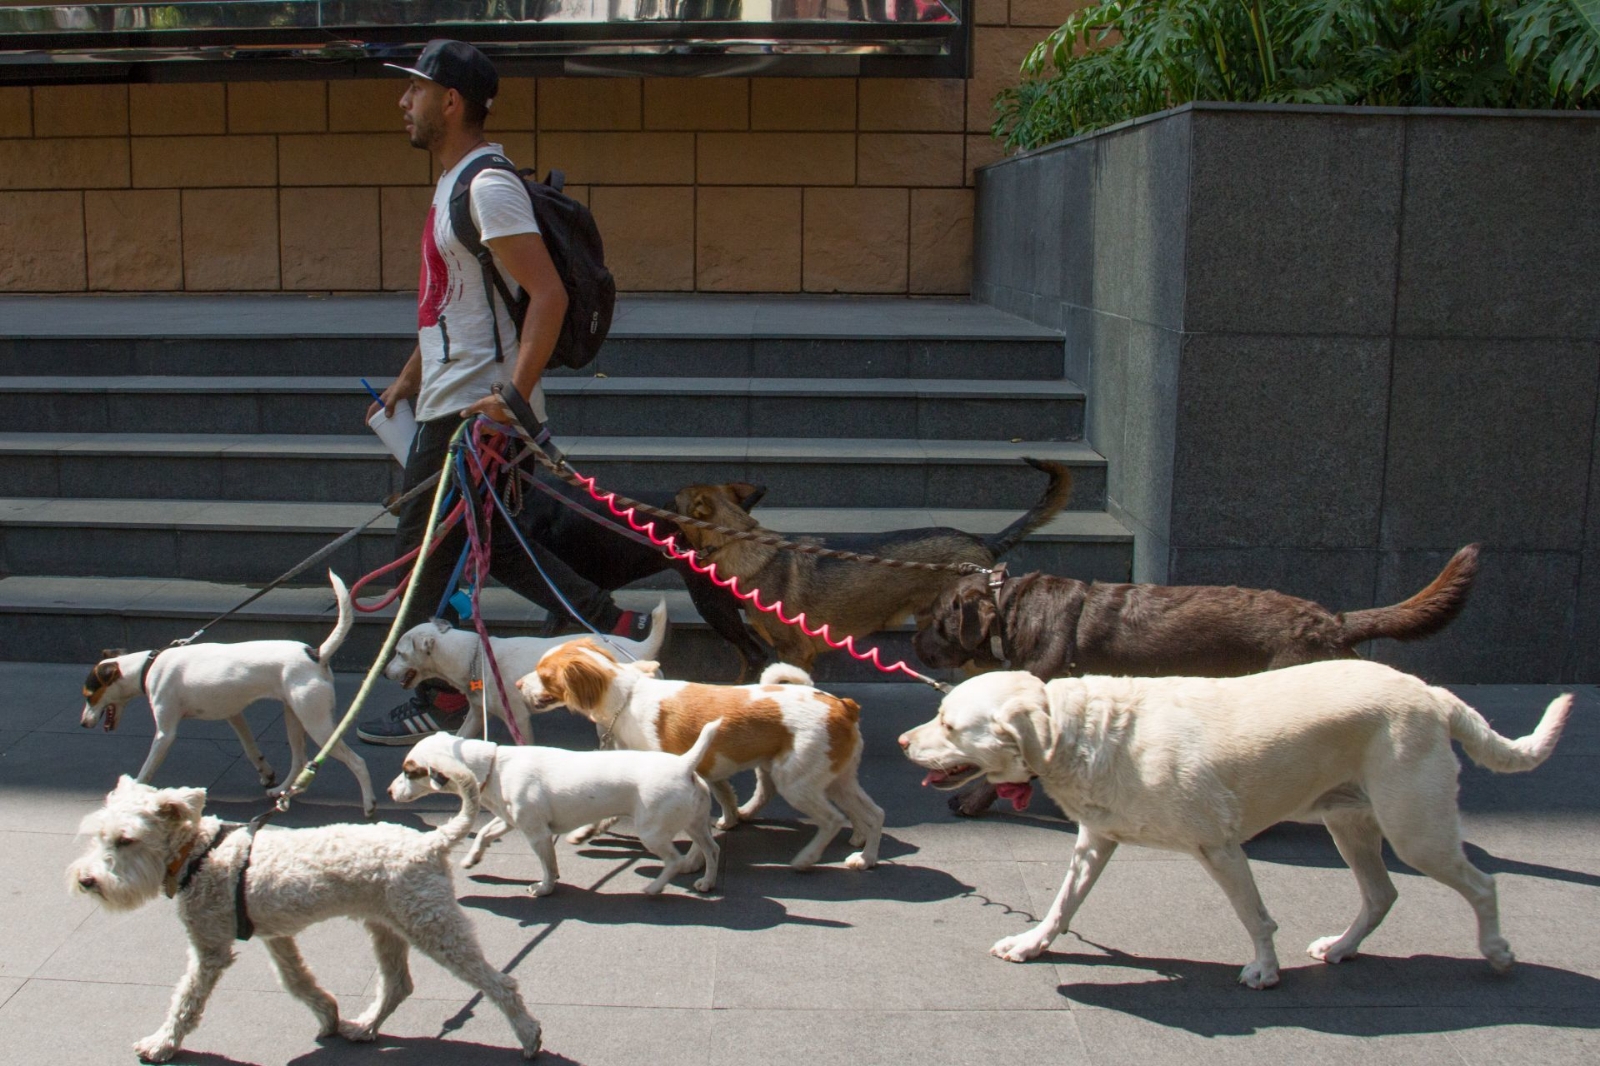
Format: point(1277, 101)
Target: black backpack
point(573, 240)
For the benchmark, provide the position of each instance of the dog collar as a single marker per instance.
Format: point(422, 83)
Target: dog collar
point(199, 860)
point(997, 647)
point(144, 671)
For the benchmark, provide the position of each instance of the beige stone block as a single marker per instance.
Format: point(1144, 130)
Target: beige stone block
point(1045, 14)
point(16, 111)
point(197, 107)
point(80, 110)
point(696, 103)
point(990, 12)
point(982, 149)
point(513, 108)
point(996, 62)
point(803, 104)
point(277, 106)
point(747, 240)
point(133, 242)
point(64, 163)
point(620, 158)
point(580, 193)
point(777, 158)
point(519, 147)
point(589, 103)
point(230, 239)
point(330, 239)
point(402, 212)
point(913, 104)
point(367, 105)
point(351, 159)
point(941, 242)
point(201, 162)
point(910, 159)
point(649, 235)
point(856, 240)
point(42, 233)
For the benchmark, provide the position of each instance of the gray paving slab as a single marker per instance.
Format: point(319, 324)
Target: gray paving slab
point(833, 966)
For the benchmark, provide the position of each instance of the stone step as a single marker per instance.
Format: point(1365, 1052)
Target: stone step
point(603, 406)
point(67, 619)
point(252, 542)
point(845, 472)
point(665, 336)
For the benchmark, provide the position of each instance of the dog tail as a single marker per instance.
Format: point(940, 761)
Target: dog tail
point(708, 733)
point(457, 779)
point(784, 674)
point(1502, 754)
point(1422, 615)
point(1055, 497)
point(341, 629)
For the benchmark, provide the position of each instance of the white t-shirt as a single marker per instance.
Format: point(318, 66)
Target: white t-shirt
point(453, 311)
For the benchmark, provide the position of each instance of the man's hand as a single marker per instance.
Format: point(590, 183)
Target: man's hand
point(404, 387)
point(491, 406)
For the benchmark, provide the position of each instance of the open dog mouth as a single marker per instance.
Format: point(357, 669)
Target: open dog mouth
point(952, 776)
point(109, 722)
point(409, 680)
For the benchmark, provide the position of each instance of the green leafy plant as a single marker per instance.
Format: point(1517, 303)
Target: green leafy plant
point(1124, 58)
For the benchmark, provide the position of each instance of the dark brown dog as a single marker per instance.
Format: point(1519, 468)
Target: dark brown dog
point(1058, 627)
point(853, 598)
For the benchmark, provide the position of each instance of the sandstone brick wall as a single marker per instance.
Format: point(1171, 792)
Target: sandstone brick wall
point(710, 185)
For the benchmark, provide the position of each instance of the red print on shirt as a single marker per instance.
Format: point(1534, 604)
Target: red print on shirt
point(434, 280)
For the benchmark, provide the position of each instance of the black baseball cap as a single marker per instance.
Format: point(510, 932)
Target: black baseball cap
point(459, 66)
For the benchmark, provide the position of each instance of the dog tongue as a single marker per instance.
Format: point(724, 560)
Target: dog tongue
point(1019, 795)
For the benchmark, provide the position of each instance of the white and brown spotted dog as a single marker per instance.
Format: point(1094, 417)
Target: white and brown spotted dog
point(801, 741)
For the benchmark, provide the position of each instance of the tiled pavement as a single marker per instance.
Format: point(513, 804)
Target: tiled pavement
point(887, 966)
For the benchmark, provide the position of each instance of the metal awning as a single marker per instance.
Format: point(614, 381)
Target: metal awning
point(255, 39)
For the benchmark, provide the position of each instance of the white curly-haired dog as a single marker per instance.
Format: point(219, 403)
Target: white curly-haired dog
point(1201, 765)
point(436, 650)
point(229, 886)
point(545, 791)
point(218, 681)
point(800, 740)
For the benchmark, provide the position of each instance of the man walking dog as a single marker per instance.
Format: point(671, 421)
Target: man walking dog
point(464, 337)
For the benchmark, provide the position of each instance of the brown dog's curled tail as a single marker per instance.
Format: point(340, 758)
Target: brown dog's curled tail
point(1424, 614)
point(1055, 497)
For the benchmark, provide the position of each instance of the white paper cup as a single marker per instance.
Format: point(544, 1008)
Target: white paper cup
point(397, 430)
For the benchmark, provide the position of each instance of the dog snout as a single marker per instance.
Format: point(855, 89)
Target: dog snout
point(905, 741)
point(88, 883)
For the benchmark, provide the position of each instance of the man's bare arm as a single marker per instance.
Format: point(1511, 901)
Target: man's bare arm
point(406, 385)
point(525, 258)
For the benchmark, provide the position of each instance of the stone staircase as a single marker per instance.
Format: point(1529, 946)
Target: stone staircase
point(164, 455)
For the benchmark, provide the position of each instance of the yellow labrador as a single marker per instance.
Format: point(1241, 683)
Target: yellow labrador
point(1201, 765)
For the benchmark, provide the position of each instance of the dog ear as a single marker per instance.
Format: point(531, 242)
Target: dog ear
point(692, 501)
point(647, 667)
point(438, 781)
point(977, 617)
point(182, 804)
point(1024, 719)
point(585, 683)
point(746, 495)
point(113, 653)
point(442, 626)
point(426, 644)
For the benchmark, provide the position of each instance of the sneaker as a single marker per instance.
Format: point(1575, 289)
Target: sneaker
point(632, 625)
point(428, 711)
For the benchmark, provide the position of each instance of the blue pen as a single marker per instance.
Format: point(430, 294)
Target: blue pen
point(371, 391)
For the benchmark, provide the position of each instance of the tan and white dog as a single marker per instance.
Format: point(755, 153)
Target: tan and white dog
point(545, 791)
point(1202, 765)
point(214, 682)
point(799, 740)
point(435, 650)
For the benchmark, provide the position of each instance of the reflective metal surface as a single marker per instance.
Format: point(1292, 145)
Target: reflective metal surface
point(915, 37)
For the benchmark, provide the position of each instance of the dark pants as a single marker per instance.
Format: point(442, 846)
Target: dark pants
point(508, 563)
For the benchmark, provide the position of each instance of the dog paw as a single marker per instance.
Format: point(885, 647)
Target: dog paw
point(156, 1048)
point(359, 1031)
point(1321, 950)
point(727, 822)
point(269, 777)
point(705, 884)
point(1500, 958)
point(1020, 948)
point(472, 860)
point(370, 813)
point(1258, 976)
point(580, 835)
point(858, 861)
point(542, 888)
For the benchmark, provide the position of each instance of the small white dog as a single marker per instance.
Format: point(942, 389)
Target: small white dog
point(545, 791)
point(800, 740)
point(218, 681)
point(228, 886)
point(435, 650)
point(1202, 765)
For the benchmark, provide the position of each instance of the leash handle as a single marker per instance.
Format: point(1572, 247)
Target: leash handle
point(538, 433)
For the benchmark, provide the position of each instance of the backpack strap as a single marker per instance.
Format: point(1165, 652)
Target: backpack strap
point(466, 231)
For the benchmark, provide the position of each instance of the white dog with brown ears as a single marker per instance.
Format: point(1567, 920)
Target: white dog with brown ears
point(1202, 765)
point(800, 740)
point(218, 681)
point(436, 650)
point(545, 791)
point(231, 884)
